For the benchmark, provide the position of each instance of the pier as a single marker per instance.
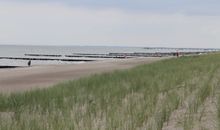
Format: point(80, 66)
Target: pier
point(181, 49)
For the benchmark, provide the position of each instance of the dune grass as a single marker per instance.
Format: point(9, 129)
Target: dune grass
point(140, 98)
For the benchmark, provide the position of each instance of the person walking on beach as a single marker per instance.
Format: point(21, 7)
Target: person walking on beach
point(29, 63)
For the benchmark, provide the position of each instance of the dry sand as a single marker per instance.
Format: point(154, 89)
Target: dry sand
point(23, 79)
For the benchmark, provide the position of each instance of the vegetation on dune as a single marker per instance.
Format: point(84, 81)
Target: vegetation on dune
point(145, 97)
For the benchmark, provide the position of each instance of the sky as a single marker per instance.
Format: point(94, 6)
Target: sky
point(150, 23)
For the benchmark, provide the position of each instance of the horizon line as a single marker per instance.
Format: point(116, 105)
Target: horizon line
point(141, 46)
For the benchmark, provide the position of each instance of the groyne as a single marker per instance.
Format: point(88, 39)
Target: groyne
point(4, 67)
point(136, 54)
point(47, 59)
point(43, 55)
point(88, 57)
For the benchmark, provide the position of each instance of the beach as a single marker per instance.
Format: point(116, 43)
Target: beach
point(29, 78)
point(171, 94)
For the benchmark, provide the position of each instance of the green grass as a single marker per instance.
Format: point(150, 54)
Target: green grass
point(140, 98)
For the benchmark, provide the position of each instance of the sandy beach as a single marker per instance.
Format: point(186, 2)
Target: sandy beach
point(28, 78)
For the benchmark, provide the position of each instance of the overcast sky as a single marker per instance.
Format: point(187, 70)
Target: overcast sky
point(167, 23)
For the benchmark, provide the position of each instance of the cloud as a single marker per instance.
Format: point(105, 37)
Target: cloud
point(201, 7)
point(55, 23)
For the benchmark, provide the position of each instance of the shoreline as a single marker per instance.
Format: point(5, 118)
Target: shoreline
point(30, 78)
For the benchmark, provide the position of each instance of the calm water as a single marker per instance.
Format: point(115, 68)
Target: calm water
point(19, 51)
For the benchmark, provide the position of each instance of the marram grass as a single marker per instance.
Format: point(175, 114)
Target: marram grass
point(142, 98)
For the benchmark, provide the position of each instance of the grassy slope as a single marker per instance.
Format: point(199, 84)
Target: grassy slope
point(145, 97)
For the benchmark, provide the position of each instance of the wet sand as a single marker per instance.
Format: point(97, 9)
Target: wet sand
point(29, 78)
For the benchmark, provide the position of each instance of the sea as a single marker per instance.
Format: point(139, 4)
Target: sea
point(19, 51)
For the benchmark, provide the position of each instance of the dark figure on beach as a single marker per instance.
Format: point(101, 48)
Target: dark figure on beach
point(177, 54)
point(29, 63)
